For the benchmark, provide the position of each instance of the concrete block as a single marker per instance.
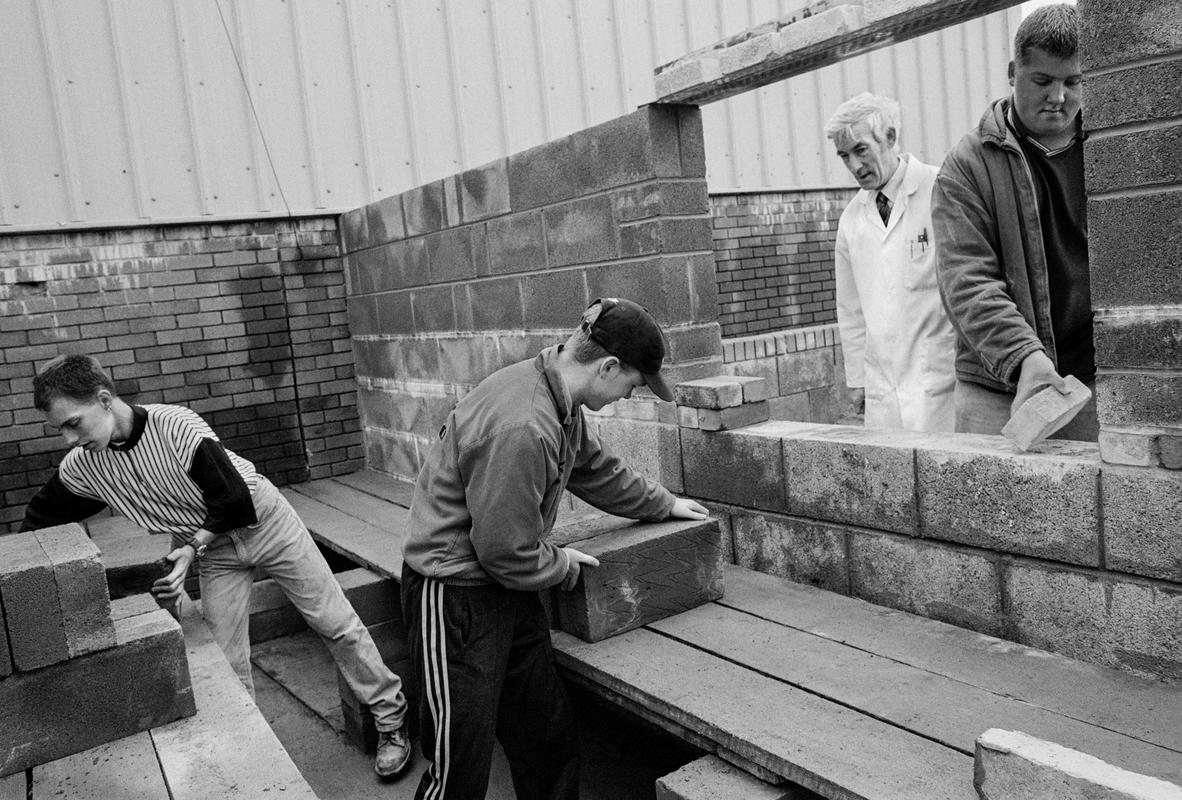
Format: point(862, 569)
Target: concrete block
point(1146, 275)
point(1011, 765)
point(652, 449)
point(543, 175)
point(742, 468)
point(1144, 633)
point(82, 588)
point(1171, 451)
point(407, 265)
point(354, 230)
point(975, 490)
point(496, 304)
point(1141, 30)
point(1139, 398)
point(1134, 94)
point(1058, 609)
point(691, 141)
point(955, 586)
point(729, 419)
point(384, 221)
point(1045, 412)
point(1141, 512)
point(853, 475)
point(615, 153)
point(646, 572)
point(69, 707)
point(1133, 160)
point(433, 308)
point(662, 285)
point(554, 299)
point(1134, 447)
point(748, 53)
point(799, 372)
point(580, 232)
point(5, 652)
point(711, 778)
point(796, 549)
point(833, 23)
point(423, 209)
point(484, 191)
point(449, 255)
point(718, 393)
point(685, 74)
point(32, 606)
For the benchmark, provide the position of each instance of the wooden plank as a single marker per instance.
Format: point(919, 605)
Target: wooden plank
point(356, 503)
point(387, 487)
point(125, 768)
point(930, 705)
point(1109, 698)
point(227, 749)
point(825, 747)
point(367, 545)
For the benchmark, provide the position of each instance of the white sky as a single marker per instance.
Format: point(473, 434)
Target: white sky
point(1033, 4)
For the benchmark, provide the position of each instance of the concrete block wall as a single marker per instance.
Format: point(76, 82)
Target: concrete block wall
point(244, 323)
point(450, 281)
point(1053, 549)
point(774, 255)
point(1132, 60)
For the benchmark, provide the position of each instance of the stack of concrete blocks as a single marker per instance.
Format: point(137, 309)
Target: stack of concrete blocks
point(1011, 765)
point(77, 670)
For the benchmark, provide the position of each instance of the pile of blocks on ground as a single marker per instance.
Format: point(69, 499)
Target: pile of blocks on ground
point(76, 669)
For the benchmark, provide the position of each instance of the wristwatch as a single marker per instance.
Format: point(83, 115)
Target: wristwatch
point(198, 548)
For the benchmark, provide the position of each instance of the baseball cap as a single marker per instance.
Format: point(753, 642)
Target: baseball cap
point(629, 332)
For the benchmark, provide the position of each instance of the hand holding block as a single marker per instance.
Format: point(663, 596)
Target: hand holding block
point(646, 572)
point(1045, 412)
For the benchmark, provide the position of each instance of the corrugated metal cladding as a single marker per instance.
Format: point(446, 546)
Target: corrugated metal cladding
point(125, 111)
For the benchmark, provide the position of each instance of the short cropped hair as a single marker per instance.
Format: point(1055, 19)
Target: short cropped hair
point(580, 345)
point(1052, 29)
point(79, 377)
point(880, 113)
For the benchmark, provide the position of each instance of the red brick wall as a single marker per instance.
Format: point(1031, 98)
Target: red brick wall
point(774, 254)
point(243, 323)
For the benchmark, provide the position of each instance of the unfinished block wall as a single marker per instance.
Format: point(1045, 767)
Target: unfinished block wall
point(450, 281)
point(243, 323)
point(774, 253)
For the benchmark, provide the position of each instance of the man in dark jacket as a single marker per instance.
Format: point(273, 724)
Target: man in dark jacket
point(1009, 212)
point(477, 555)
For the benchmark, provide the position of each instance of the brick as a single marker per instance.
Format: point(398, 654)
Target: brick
point(728, 419)
point(1011, 765)
point(799, 550)
point(711, 778)
point(1135, 447)
point(717, 393)
point(1132, 160)
point(646, 572)
point(580, 232)
point(82, 588)
point(56, 711)
point(1171, 451)
point(1151, 341)
point(423, 208)
point(955, 586)
point(1141, 510)
point(543, 175)
point(1134, 94)
point(516, 244)
point(32, 606)
point(484, 191)
point(853, 475)
point(742, 468)
point(685, 74)
point(755, 389)
point(1045, 412)
point(1142, 29)
point(384, 221)
point(1142, 398)
point(976, 491)
point(1143, 275)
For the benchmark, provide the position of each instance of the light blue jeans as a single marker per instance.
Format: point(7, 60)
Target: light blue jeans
point(280, 547)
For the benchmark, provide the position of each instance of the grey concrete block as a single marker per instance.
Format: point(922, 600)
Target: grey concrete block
point(799, 372)
point(799, 550)
point(5, 652)
point(384, 221)
point(711, 778)
point(32, 607)
point(484, 191)
point(853, 475)
point(975, 490)
point(82, 588)
point(956, 586)
point(72, 706)
point(742, 468)
point(1058, 609)
point(1011, 765)
point(1142, 508)
point(580, 232)
point(652, 449)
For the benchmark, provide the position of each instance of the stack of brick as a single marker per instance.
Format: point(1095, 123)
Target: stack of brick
point(723, 403)
point(77, 670)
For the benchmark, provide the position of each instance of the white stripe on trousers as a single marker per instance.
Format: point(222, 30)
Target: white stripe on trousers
point(435, 681)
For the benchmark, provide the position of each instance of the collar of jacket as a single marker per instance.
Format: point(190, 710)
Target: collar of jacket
point(544, 364)
point(995, 130)
point(907, 187)
point(139, 421)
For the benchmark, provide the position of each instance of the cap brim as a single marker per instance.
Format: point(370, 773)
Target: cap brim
point(657, 383)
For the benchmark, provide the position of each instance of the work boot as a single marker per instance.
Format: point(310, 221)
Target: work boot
point(393, 752)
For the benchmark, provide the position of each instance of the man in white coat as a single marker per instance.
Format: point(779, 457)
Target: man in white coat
point(898, 343)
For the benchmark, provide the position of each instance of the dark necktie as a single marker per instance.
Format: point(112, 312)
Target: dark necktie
point(884, 207)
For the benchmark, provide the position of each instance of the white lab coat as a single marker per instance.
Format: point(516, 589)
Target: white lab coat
point(895, 335)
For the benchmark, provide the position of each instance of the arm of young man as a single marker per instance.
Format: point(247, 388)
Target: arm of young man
point(54, 504)
point(228, 505)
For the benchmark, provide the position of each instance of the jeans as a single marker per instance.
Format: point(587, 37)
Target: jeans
point(280, 547)
point(982, 410)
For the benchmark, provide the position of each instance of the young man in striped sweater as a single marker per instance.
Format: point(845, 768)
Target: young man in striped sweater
point(162, 467)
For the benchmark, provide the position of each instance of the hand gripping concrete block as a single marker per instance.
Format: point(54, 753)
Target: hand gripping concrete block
point(1045, 412)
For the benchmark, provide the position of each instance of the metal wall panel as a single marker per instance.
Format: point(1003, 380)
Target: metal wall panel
point(129, 111)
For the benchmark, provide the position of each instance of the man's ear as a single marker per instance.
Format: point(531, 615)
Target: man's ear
point(607, 365)
point(892, 137)
point(104, 397)
point(1010, 73)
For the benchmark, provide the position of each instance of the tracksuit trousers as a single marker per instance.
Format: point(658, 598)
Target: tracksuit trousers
point(483, 660)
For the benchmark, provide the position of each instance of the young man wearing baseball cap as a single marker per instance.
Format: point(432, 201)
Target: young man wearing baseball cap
point(477, 555)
